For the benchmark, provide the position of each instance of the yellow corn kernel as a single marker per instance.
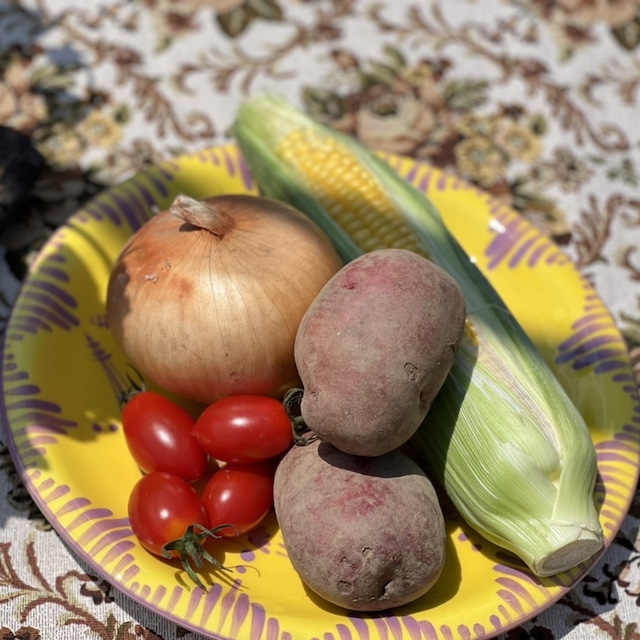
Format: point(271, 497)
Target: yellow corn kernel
point(347, 192)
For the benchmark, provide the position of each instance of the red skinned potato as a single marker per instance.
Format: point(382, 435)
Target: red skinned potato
point(374, 349)
point(364, 533)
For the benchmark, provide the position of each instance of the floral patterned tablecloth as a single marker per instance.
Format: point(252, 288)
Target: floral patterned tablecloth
point(534, 101)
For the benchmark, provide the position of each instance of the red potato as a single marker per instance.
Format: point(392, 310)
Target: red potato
point(374, 349)
point(365, 533)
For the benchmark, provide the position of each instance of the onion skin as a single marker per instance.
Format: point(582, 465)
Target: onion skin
point(210, 312)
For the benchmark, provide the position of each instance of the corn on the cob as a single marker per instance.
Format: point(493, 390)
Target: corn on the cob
point(503, 438)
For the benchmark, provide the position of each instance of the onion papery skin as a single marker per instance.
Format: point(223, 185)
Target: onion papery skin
point(210, 313)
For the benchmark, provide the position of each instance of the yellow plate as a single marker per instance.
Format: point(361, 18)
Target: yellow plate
point(62, 374)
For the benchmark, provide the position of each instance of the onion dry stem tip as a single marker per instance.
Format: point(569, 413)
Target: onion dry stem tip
point(203, 214)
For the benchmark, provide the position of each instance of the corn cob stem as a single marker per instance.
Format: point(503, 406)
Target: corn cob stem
point(503, 438)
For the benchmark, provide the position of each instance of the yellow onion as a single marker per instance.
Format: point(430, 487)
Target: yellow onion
point(205, 299)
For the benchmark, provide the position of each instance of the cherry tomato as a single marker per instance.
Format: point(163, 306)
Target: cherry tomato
point(240, 495)
point(158, 434)
point(161, 508)
point(244, 429)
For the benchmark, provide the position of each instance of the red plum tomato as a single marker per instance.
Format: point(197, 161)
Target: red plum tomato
point(161, 508)
point(244, 429)
point(159, 436)
point(240, 495)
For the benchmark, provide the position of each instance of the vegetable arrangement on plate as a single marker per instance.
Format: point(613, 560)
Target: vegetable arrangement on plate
point(339, 297)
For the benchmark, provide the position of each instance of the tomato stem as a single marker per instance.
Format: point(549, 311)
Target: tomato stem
point(136, 386)
point(302, 435)
point(189, 548)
